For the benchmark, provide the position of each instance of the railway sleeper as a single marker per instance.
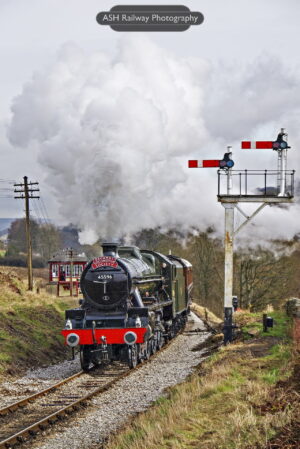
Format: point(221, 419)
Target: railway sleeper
point(52, 420)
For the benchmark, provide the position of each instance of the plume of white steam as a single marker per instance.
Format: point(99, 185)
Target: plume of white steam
point(114, 133)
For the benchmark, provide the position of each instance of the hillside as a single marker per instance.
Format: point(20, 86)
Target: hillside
point(30, 323)
point(5, 223)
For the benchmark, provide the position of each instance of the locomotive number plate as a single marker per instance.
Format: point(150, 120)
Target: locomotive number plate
point(105, 276)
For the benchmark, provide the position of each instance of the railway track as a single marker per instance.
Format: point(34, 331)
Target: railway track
point(23, 419)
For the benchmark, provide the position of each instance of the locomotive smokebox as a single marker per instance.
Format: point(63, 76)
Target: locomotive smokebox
point(110, 249)
point(104, 281)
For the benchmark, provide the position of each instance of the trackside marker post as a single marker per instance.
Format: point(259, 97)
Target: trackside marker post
point(230, 200)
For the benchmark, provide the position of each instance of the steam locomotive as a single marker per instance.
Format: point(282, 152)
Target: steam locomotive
point(134, 301)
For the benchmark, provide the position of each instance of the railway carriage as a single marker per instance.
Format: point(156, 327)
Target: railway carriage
point(133, 302)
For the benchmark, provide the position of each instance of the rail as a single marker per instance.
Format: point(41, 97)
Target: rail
point(17, 404)
point(101, 382)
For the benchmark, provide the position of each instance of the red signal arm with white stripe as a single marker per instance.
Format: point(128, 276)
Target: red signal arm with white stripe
point(258, 145)
point(204, 163)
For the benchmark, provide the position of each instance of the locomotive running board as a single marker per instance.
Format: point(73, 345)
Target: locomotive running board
point(159, 305)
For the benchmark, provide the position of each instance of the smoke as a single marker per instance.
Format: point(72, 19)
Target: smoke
point(114, 133)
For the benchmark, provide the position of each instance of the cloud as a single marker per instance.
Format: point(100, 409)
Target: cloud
point(115, 132)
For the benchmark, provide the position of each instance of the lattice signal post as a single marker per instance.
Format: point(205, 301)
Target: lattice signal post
point(237, 189)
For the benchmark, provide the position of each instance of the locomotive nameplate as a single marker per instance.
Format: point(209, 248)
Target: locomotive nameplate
point(104, 261)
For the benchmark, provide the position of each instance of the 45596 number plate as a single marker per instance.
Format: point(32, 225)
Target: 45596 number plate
point(105, 277)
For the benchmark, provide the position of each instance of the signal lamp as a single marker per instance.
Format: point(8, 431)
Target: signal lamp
point(226, 163)
point(280, 145)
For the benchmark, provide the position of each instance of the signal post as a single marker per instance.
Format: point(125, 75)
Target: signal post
point(234, 187)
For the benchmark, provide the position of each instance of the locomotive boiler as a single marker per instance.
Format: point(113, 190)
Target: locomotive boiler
point(133, 302)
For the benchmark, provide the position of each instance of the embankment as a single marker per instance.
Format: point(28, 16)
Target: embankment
point(30, 325)
point(244, 396)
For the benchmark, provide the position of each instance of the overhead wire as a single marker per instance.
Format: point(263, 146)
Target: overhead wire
point(36, 212)
point(43, 205)
point(9, 181)
point(44, 222)
point(41, 212)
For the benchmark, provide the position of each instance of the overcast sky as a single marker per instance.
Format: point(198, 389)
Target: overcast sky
point(236, 36)
point(31, 33)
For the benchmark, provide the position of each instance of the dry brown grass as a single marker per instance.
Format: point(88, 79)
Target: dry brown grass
point(219, 408)
point(30, 323)
point(14, 289)
point(205, 314)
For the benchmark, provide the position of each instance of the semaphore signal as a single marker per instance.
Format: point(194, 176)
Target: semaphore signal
point(238, 189)
point(226, 162)
point(278, 144)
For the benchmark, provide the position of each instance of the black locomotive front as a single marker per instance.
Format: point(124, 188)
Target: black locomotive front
point(109, 282)
point(128, 309)
point(105, 287)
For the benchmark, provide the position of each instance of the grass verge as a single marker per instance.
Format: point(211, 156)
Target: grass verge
point(30, 325)
point(237, 399)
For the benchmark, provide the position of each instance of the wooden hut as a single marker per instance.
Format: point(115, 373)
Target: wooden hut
point(65, 269)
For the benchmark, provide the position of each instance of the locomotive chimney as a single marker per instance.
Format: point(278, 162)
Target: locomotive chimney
point(110, 249)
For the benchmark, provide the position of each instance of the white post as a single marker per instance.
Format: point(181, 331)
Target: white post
point(282, 172)
point(279, 171)
point(229, 181)
point(228, 280)
point(228, 244)
point(229, 174)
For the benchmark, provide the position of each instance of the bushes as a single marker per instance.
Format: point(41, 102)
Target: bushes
point(21, 261)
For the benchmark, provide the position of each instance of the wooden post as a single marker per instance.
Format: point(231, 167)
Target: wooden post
point(28, 235)
point(26, 193)
point(265, 322)
point(71, 271)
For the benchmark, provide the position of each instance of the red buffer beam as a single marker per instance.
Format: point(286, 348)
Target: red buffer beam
point(258, 145)
point(204, 163)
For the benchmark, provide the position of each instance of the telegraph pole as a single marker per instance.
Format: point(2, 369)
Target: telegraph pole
point(27, 192)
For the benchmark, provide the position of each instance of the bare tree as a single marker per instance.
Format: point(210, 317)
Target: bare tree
point(263, 279)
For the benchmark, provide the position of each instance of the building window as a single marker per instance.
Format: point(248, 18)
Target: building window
point(77, 270)
point(54, 270)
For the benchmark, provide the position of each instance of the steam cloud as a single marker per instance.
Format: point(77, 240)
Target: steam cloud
point(115, 132)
